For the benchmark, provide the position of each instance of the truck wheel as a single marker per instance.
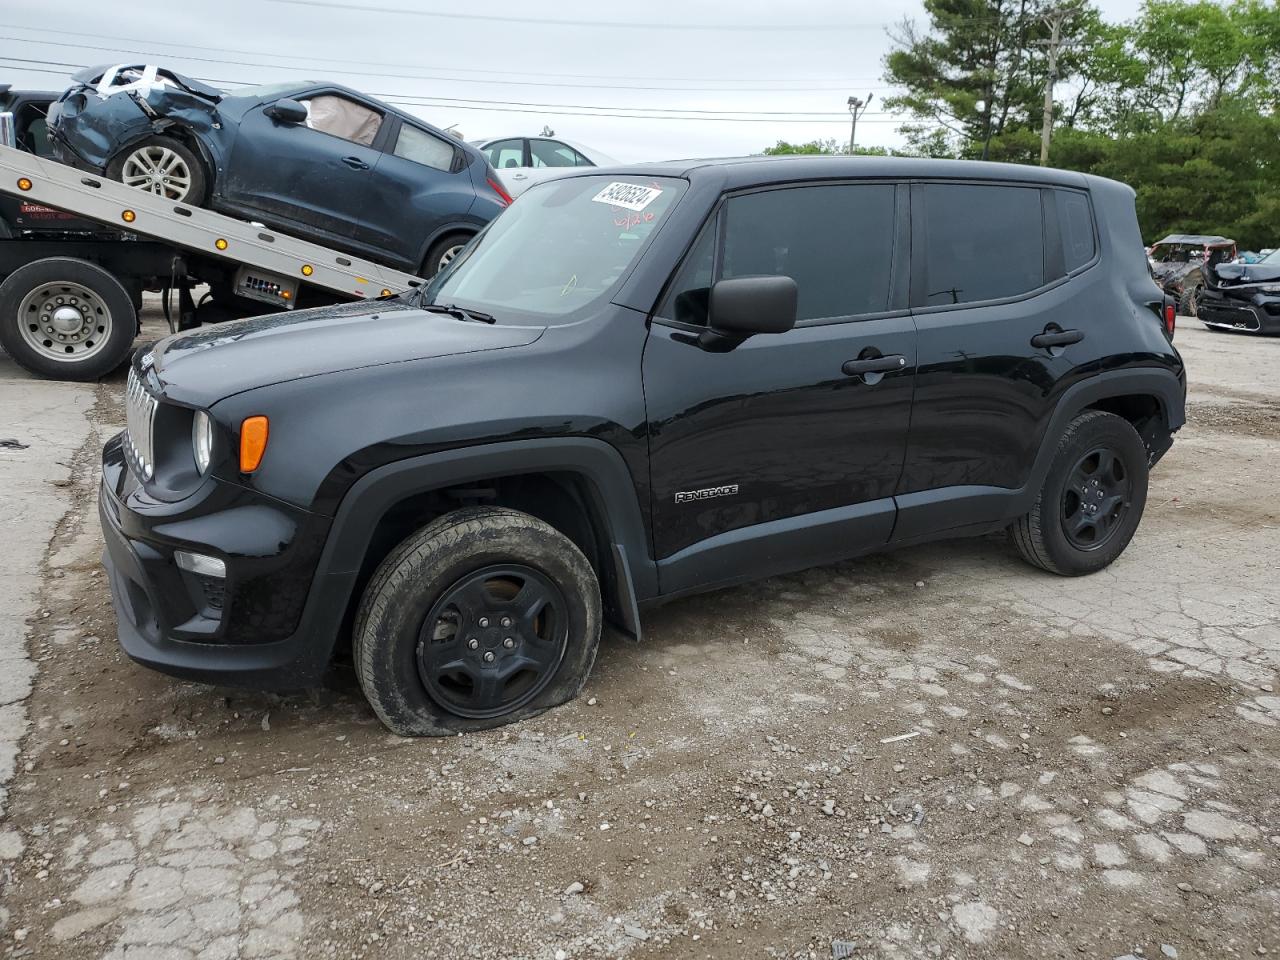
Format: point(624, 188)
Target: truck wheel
point(163, 166)
point(66, 319)
point(442, 253)
point(1091, 500)
point(483, 617)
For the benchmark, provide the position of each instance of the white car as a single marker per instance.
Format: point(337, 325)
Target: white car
point(523, 161)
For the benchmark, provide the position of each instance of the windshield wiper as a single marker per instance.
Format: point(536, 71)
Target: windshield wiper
point(459, 313)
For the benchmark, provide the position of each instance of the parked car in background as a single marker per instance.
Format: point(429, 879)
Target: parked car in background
point(316, 160)
point(523, 161)
point(1176, 261)
point(1243, 296)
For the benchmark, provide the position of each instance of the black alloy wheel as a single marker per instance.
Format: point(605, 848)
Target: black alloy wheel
point(493, 641)
point(1098, 494)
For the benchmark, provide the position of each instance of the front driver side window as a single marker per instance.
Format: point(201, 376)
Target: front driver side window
point(340, 117)
point(835, 241)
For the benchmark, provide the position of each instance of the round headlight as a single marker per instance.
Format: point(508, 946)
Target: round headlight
point(202, 439)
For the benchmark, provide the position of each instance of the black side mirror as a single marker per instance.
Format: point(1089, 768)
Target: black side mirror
point(287, 111)
point(744, 306)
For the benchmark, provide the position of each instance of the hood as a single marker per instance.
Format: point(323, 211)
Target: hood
point(204, 366)
point(1236, 273)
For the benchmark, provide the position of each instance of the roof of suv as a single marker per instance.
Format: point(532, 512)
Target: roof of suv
point(752, 171)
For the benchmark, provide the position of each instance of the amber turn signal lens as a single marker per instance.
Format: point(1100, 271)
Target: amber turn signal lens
point(307, 270)
point(24, 183)
point(220, 244)
point(128, 216)
point(253, 443)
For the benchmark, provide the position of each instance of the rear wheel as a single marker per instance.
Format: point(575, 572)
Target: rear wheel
point(481, 618)
point(66, 319)
point(1092, 499)
point(442, 253)
point(163, 166)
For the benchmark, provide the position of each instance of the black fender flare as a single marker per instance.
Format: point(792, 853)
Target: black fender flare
point(610, 488)
point(1161, 383)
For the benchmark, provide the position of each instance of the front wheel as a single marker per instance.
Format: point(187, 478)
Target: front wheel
point(163, 166)
point(483, 617)
point(1091, 501)
point(66, 319)
point(1189, 305)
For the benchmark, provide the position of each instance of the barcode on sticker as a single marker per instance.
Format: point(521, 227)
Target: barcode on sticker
point(631, 196)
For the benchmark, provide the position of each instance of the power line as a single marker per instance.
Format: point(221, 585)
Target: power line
point(601, 24)
point(443, 103)
point(381, 63)
point(565, 109)
point(435, 77)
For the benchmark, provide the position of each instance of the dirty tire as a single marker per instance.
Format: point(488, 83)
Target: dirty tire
point(1040, 535)
point(421, 570)
point(27, 281)
point(433, 263)
point(196, 189)
point(1189, 303)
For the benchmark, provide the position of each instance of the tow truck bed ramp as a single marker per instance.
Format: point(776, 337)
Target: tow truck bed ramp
point(194, 228)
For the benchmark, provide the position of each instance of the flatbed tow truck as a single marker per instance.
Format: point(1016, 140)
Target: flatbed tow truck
point(77, 251)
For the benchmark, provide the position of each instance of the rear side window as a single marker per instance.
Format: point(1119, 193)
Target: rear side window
point(982, 242)
point(835, 241)
point(505, 154)
point(1075, 218)
point(421, 147)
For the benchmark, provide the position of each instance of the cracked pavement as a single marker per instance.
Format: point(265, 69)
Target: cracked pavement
point(939, 752)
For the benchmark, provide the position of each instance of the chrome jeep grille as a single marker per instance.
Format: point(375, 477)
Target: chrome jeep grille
point(140, 415)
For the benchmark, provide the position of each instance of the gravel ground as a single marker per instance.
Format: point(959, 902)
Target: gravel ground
point(939, 752)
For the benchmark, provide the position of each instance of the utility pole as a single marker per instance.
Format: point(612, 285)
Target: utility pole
point(856, 107)
point(1055, 18)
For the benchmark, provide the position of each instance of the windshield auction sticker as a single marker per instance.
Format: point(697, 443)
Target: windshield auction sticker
point(631, 196)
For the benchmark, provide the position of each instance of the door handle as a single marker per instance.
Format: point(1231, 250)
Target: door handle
point(355, 163)
point(1053, 337)
point(519, 176)
point(853, 368)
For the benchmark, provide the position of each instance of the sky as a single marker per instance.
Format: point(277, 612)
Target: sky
point(654, 81)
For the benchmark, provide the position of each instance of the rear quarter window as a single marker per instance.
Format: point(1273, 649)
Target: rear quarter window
point(1075, 219)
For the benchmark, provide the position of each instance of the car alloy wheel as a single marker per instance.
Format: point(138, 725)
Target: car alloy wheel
point(1098, 494)
point(446, 258)
point(64, 321)
point(158, 170)
point(493, 641)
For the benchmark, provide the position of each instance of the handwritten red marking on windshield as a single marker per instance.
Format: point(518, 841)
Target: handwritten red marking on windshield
point(628, 220)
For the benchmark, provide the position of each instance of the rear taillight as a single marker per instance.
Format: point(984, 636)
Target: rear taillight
point(1170, 315)
point(499, 190)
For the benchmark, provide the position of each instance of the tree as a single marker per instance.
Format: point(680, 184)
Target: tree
point(976, 73)
point(782, 147)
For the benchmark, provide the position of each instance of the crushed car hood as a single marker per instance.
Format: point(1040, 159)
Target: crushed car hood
point(1236, 273)
point(203, 366)
point(91, 75)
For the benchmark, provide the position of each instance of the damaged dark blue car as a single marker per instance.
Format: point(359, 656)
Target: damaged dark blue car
point(313, 159)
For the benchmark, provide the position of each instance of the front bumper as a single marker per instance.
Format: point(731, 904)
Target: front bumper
point(1256, 313)
point(254, 628)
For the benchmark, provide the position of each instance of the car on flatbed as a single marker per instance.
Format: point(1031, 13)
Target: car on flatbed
point(711, 372)
point(316, 160)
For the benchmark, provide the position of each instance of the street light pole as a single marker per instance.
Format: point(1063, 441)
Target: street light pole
point(856, 106)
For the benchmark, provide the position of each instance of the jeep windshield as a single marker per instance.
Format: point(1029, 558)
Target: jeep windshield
point(561, 249)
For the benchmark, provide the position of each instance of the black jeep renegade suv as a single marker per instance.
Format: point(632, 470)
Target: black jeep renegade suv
point(630, 387)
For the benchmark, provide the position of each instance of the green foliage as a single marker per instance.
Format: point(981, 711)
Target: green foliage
point(1182, 103)
point(783, 148)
